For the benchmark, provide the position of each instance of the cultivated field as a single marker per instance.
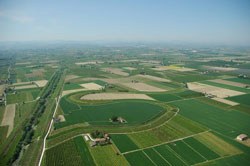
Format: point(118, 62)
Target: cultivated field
point(115, 96)
point(91, 86)
point(134, 112)
point(8, 117)
point(212, 90)
point(115, 71)
point(139, 86)
point(154, 78)
point(237, 84)
point(223, 69)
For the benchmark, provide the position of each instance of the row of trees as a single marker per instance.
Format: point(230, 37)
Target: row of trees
point(29, 128)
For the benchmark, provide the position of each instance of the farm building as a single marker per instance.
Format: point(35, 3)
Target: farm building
point(242, 137)
point(101, 141)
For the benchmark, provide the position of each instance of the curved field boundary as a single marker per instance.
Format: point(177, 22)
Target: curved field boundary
point(115, 96)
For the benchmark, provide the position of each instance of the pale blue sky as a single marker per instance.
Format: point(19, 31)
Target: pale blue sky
point(203, 21)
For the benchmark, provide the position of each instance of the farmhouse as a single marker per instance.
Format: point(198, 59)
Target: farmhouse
point(242, 137)
point(101, 141)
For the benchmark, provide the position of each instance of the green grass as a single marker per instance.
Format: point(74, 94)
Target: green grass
point(188, 94)
point(201, 148)
point(138, 158)
point(217, 144)
point(67, 106)
point(107, 155)
point(169, 155)
point(22, 96)
point(164, 97)
point(155, 157)
point(242, 99)
point(70, 86)
point(188, 154)
point(177, 127)
point(83, 150)
point(123, 142)
point(3, 133)
point(134, 112)
point(242, 160)
point(63, 154)
point(240, 80)
point(230, 123)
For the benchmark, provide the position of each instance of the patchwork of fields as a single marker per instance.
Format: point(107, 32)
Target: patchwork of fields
point(125, 111)
point(189, 137)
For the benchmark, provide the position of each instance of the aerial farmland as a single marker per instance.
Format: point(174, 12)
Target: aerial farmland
point(162, 110)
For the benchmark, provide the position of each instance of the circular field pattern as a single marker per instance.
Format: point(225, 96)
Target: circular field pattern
point(133, 111)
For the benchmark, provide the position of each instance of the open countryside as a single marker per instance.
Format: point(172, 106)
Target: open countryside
point(128, 83)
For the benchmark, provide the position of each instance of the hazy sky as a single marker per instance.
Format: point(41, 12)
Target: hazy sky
point(204, 21)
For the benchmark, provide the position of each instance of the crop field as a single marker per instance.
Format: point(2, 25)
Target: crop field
point(130, 105)
point(79, 153)
point(184, 151)
point(164, 97)
point(188, 94)
point(242, 99)
point(240, 89)
point(123, 143)
point(177, 127)
point(134, 112)
point(202, 148)
point(230, 123)
point(240, 80)
point(138, 158)
point(106, 155)
point(23, 96)
point(70, 86)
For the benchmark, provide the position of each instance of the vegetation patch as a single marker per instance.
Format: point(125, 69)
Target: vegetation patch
point(134, 112)
point(230, 123)
point(123, 142)
point(138, 158)
point(184, 151)
point(164, 97)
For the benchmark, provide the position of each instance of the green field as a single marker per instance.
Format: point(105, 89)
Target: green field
point(164, 97)
point(230, 123)
point(123, 142)
point(176, 128)
point(134, 112)
point(23, 96)
point(188, 94)
point(155, 157)
point(226, 86)
point(184, 151)
point(217, 145)
point(138, 158)
point(240, 80)
point(84, 151)
point(71, 152)
point(169, 155)
point(242, 99)
point(70, 86)
point(107, 155)
point(201, 148)
point(60, 155)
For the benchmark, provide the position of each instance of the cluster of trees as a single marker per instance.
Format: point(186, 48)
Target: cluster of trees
point(29, 128)
point(97, 134)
